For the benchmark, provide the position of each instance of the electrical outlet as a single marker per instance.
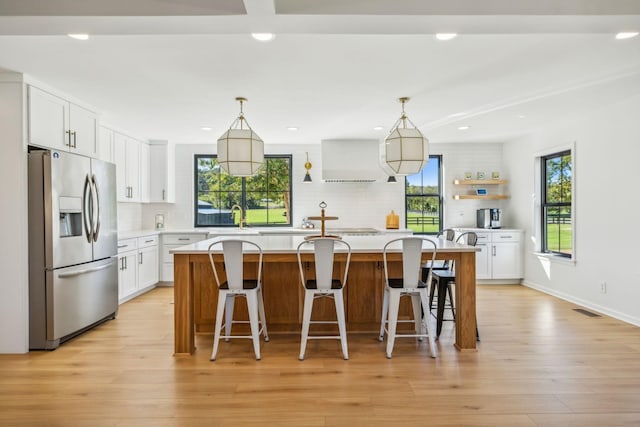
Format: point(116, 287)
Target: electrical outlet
point(603, 287)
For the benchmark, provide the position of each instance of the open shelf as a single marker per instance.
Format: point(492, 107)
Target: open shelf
point(477, 197)
point(479, 181)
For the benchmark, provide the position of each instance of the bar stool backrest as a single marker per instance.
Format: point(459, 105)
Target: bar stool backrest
point(323, 251)
point(233, 254)
point(447, 233)
point(412, 248)
point(469, 238)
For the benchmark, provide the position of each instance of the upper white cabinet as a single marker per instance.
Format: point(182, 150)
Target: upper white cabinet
point(127, 160)
point(62, 125)
point(161, 175)
point(106, 145)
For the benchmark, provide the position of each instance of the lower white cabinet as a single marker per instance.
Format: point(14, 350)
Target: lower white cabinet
point(500, 255)
point(172, 241)
point(137, 265)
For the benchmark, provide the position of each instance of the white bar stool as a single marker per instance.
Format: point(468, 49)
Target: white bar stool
point(409, 285)
point(323, 286)
point(237, 286)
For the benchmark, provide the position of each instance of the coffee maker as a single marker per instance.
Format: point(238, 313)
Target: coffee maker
point(489, 218)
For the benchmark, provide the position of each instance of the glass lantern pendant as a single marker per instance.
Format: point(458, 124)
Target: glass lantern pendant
point(405, 150)
point(240, 149)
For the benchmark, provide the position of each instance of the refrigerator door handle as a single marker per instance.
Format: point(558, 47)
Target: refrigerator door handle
point(85, 271)
point(87, 208)
point(96, 218)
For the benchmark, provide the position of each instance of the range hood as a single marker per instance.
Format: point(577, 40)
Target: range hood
point(351, 160)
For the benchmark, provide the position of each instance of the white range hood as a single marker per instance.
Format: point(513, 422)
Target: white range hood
point(351, 160)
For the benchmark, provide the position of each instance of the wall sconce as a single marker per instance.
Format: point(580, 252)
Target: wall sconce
point(307, 166)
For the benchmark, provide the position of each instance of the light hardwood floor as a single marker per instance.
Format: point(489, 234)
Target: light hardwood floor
point(539, 363)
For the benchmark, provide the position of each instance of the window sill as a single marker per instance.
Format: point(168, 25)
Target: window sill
point(555, 258)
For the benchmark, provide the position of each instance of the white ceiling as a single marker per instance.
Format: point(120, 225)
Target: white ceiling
point(161, 69)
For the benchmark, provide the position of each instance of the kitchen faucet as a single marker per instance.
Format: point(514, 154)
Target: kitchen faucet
point(241, 221)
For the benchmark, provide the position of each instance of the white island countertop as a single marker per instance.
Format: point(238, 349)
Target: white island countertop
point(289, 244)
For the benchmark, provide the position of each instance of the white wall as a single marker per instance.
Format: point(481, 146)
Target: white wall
point(356, 204)
point(607, 142)
point(14, 286)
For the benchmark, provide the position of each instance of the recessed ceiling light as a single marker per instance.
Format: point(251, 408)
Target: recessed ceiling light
point(446, 36)
point(292, 128)
point(263, 37)
point(378, 128)
point(521, 116)
point(626, 35)
point(79, 36)
point(206, 128)
point(463, 128)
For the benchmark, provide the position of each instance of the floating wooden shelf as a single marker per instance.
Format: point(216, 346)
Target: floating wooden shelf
point(479, 181)
point(475, 196)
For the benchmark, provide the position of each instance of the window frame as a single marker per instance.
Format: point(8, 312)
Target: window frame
point(243, 196)
point(540, 218)
point(439, 195)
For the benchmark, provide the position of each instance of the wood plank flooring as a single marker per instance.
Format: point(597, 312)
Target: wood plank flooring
point(539, 363)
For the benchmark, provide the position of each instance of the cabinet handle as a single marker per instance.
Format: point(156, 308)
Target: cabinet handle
point(74, 139)
point(148, 241)
point(68, 132)
point(140, 256)
point(506, 237)
point(493, 250)
point(162, 194)
point(122, 246)
point(184, 238)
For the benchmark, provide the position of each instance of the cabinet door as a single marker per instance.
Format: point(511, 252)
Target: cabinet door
point(83, 125)
point(127, 279)
point(144, 172)
point(158, 175)
point(147, 267)
point(105, 145)
point(132, 166)
point(506, 261)
point(120, 158)
point(483, 264)
point(48, 120)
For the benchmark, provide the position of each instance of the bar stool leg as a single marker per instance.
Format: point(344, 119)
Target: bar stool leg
point(263, 318)
point(306, 320)
point(417, 314)
point(427, 324)
point(394, 302)
point(222, 296)
point(339, 303)
point(385, 312)
point(228, 322)
point(252, 303)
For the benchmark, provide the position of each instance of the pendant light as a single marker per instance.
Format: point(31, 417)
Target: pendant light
point(240, 149)
point(405, 150)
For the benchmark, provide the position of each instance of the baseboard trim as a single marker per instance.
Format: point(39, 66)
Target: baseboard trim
point(595, 307)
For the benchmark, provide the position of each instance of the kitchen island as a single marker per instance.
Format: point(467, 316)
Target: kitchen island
point(196, 292)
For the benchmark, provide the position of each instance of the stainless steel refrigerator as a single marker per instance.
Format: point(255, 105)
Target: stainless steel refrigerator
point(73, 238)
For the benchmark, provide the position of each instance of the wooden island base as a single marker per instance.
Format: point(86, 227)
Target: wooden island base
point(196, 294)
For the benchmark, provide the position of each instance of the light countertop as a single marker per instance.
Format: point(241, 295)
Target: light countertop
point(289, 244)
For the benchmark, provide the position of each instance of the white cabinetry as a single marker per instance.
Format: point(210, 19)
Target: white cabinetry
point(161, 188)
point(143, 171)
point(106, 145)
point(172, 241)
point(59, 124)
point(127, 159)
point(148, 272)
point(127, 266)
point(138, 266)
point(500, 255)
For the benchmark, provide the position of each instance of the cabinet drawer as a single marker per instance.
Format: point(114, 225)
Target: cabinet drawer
point(505, 236)
point(182, 239)
point(483, 237)
point(126, 245)
point(146, 241)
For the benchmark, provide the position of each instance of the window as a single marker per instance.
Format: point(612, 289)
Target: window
point(556, 207)
point(423, 198)
point(265, 197)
